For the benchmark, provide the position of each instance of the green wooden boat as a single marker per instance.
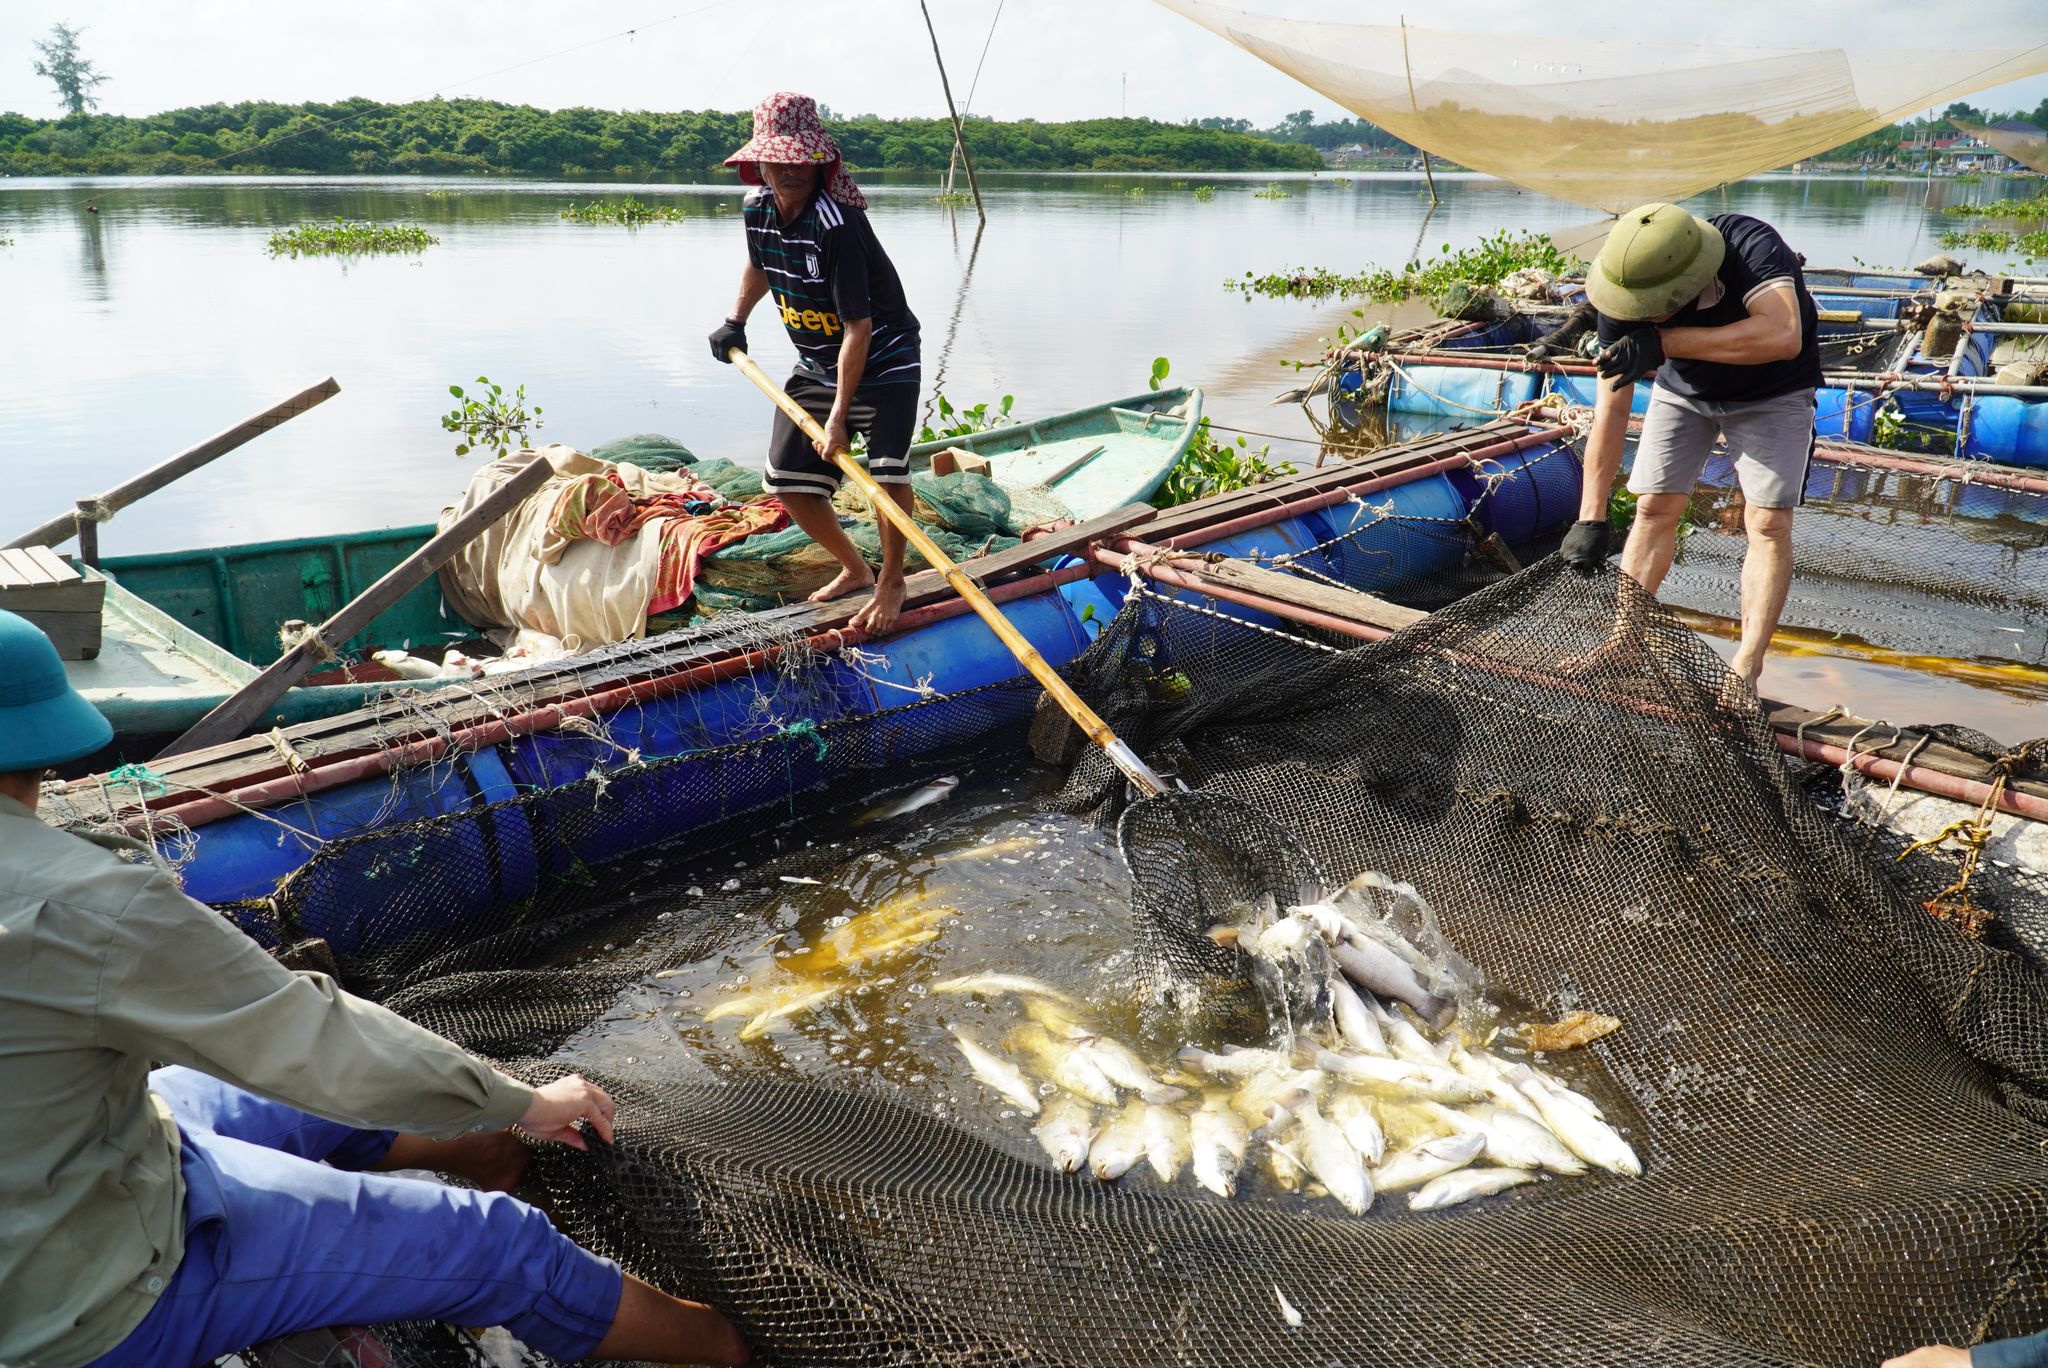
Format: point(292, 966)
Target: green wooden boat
point(184, 630)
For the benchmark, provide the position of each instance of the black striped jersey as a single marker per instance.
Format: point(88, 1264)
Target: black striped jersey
point(824, 269)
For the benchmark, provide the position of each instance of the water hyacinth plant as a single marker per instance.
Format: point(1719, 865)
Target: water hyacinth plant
point(628, 212)
point(1273, 190)
point(347, 237)
point(1494, 258)
point(490, 418)
point(2035, 208)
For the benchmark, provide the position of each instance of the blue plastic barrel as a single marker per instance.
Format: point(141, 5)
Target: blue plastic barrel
point(1533, 491)
point(1845, 414)
point(1459, 390)
point(1583, 390)
point(1371, 550)
point(2009, 430)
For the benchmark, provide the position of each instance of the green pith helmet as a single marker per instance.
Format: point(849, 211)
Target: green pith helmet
point(1655, 261)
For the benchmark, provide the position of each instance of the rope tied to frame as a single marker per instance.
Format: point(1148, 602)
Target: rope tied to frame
point(146, 782)
point(807, 730)
point(1954, 904)
point(306, 636)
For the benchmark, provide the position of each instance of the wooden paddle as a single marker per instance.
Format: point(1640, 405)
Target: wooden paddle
point(1098, 731)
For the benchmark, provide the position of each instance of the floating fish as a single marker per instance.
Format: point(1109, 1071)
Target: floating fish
point(1372, 966)
point(1514, 1140)
point(759, 1025)
point(1218, 1140)
point(1065, 1131)
point(1120, 1144)
point(1333, 1161)
point(1167, 1143)
point(1585, 1134)
point(1465, 1184)
point(999, 1074)
point(937, 791)
point(1004, 985)
point(1123, 1068)
point(1353, 1115)
point(1065, 1063)
point(1014, 845)
point(1430, 1159)
point(1431, 1081)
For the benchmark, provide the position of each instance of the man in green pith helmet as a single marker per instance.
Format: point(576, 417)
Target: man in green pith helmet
point(1717, 311)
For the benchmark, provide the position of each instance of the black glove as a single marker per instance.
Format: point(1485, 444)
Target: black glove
point(727, 336)
point(1636, 355)
point(1585, 546)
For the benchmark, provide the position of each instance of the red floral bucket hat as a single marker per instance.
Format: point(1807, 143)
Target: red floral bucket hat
point(788, 132)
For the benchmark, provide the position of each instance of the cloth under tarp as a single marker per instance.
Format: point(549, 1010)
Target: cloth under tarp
point(594, 551)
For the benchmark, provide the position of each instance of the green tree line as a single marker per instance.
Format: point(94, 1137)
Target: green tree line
point(1883, 145)
point(440, 137)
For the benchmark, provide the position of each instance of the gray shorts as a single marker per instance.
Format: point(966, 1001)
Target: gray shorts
point(1772, 440)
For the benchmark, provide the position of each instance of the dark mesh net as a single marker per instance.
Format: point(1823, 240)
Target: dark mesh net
point(1835, 1096)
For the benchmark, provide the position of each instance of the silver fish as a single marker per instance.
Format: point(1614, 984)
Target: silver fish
point(1465, 1184)
point(1167, 1143)
point(1430, 1159)
point(1287, 1311)
point(1121, 1066)
point(1586, 1135)
point(1333, 1161)
point(1432, 1081)
point(1359, 1027)
point(1514, 1140)
point(1284, 939)
point(1233, 1061)
point(1218, 1140)
point(1065, 1132)
point(1403, 1040)
point(937, 791)
point(1329, 923)
point(1120, 1144)
point(999, 1074)
point(1491, 1074)
point(1354, 1116)
point(1285, 1166)
point(1004, 985)
point(1065, 1063)
point(1372, 966)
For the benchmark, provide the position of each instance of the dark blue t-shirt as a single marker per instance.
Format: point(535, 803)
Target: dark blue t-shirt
point(825, 269)
point(1756, 257)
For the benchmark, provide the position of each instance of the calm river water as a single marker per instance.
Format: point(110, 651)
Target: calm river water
point(145, 314)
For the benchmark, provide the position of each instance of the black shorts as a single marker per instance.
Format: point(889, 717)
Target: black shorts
point(886, 413)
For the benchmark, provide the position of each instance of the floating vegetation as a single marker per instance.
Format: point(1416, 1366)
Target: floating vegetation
point(1273, 190)
point(2035, 208)
point(1205, 192)
point(346, 237)
point(952, 197)
point(1487, 263)
point(628, 212)
point(1968, 178)
point(2028, 245)
point(1135, 191)
point(1340, 180)
point(490, 419)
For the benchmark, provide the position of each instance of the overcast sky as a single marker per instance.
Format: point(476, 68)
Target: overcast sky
point(1051, 59)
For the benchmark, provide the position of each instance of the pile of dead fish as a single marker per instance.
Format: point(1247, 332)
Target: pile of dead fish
point(1354, 1099)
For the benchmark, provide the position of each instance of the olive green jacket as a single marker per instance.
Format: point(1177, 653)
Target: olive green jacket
point(105, 967)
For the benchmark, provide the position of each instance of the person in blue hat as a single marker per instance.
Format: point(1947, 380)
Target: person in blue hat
point(169, 1216)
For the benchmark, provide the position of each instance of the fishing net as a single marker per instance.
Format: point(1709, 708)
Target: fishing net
point(1836, 1096)
point(2025, 143)
point(1610, 124)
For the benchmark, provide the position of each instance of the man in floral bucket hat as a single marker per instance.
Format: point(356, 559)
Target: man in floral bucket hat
point(809, 244)
point(1717, 311)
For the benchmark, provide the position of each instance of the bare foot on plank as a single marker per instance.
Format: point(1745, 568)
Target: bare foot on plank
point(844, 583)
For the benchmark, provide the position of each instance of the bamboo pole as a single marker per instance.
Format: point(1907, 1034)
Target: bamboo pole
point(1413, 109)
point(959, 136)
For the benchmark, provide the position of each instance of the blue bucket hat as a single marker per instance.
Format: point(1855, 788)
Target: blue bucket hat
point(43, 720)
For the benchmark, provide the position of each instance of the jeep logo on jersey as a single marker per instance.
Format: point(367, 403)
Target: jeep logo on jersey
point(810, 320)
point(811, 265)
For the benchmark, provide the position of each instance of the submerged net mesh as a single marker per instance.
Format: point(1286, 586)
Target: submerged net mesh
point(1836, 1097)
point(1610, 124)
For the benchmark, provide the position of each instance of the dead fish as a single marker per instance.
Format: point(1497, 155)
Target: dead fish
point(1120, 1144)
point(1465, 1184)
point(1333, 1161)
point(801, 879)
point(1121, 1066)
point(803, 1002)
point(1374, 967)
point(1065, 1063)
point(937, 791)
point(1218, 1141)
point(1167, 1145)
point(1287, 1311)
point(1584, 1134)
point(1513, 1140)
point(1435, 1082)
point(1065, 1131)
point(1004, 985)
point(994, 850)
point(999, 1074)
point(1430, 1159)
point(1569, 1031)
point(1353, 1115)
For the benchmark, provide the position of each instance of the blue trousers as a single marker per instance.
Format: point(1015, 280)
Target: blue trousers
point(283, 1233)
